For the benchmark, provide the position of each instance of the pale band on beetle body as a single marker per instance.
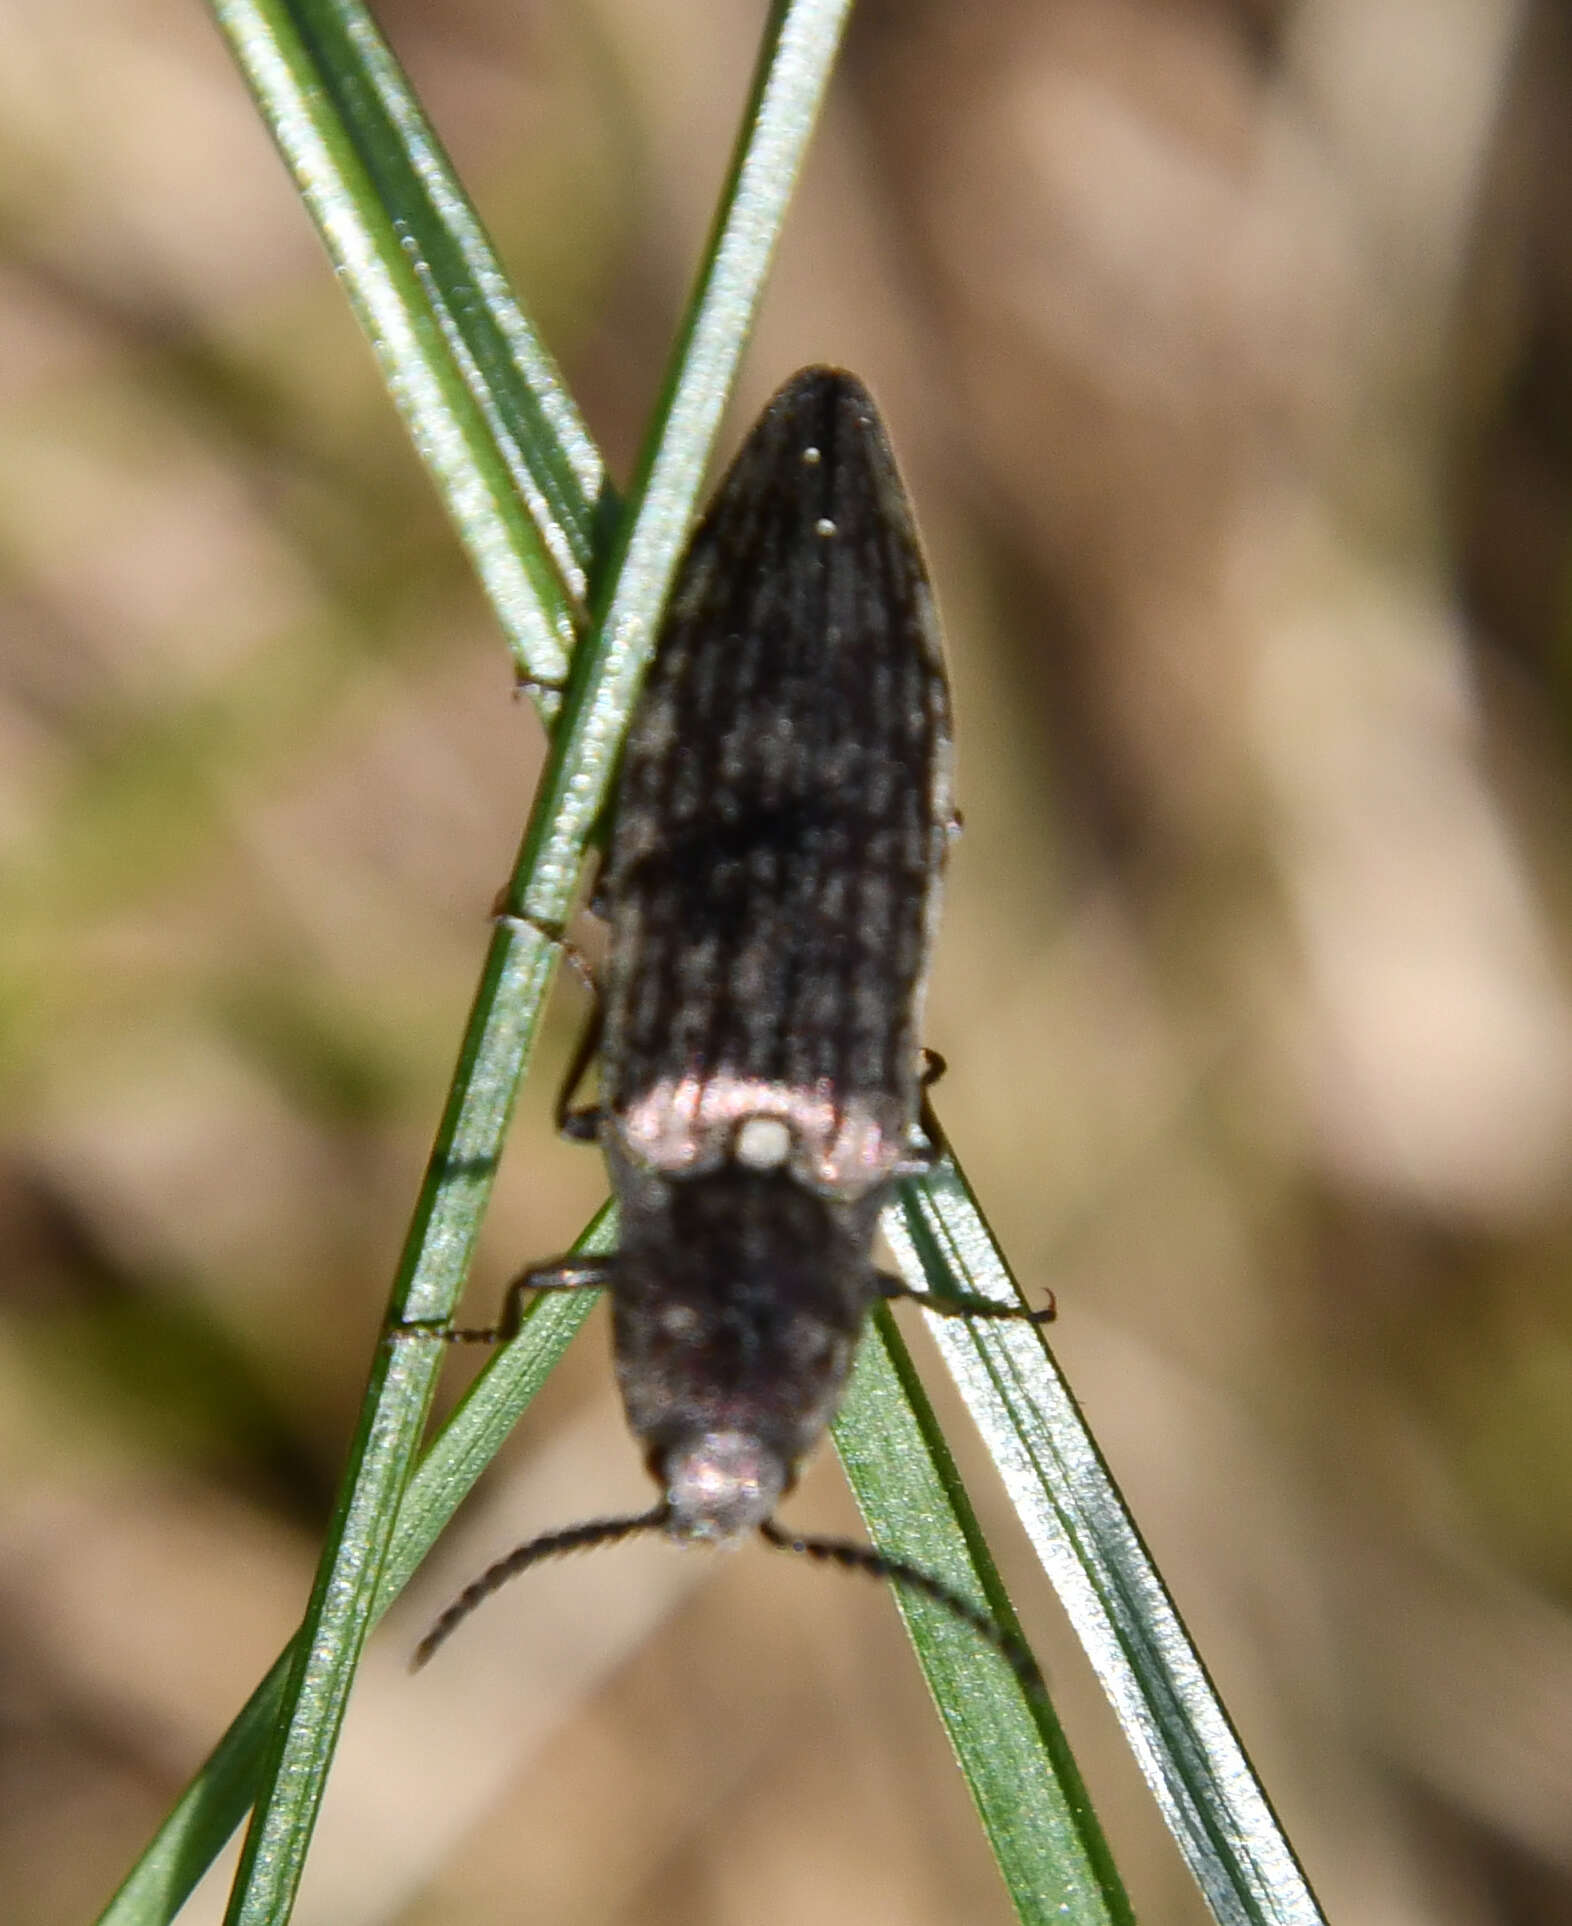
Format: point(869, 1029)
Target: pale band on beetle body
point(691, 1123)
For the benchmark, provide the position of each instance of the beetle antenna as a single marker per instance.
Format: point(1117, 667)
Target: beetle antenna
point(552, 1544)
point(853, 1557)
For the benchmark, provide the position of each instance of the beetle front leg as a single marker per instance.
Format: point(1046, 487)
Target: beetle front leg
point(565, 1274)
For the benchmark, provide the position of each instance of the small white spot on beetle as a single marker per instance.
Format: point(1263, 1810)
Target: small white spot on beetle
point(824, 526)
point(811, 456)
point(679, 1321)
point(763, 1143)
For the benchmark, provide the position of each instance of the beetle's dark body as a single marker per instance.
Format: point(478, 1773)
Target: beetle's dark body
point(772, 885)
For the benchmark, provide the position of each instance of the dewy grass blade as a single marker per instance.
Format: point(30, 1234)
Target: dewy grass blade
point(206, 1813)
point(436, 1257)
point(1011, 1750)
point(477, 391)
point(554, 464)
point(794, 69)
point(1088, 1543)
point(216, 1801)
point(484, 1417)
point(799, 51)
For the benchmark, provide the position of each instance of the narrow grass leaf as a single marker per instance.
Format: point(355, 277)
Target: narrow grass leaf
point(1029, 1794)
point(798, 52)
point(478, 393)
point(793, 70)
point(552, 461)
point(1172, 1716)
point(217, 1799)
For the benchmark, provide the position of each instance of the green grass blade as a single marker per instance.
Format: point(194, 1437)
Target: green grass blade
point(483, 1419)
point(1010, 1747)
point(799, 50)
point(217, 1799)
point(1088, 1543)
point(555, 466)
point(436, 1257)
point(479, 394)
point(206, 1814)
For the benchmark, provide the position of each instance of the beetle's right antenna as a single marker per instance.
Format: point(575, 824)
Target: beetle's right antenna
point(598, 1531)
point(853, 1557)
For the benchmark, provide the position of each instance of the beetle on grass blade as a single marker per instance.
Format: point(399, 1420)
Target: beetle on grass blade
point(772, 888)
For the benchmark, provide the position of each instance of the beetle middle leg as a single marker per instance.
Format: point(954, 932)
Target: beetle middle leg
point(562, 1274)
point(922, 1155)
point(964, 1303)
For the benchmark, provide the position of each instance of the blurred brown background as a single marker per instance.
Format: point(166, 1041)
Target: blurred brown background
point(1227, 348)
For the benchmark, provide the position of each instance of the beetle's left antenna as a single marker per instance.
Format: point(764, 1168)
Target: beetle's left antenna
point(598, 1531)
point(853, 1557)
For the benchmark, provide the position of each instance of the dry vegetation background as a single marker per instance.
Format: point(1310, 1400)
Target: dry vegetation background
point(1227, 346)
